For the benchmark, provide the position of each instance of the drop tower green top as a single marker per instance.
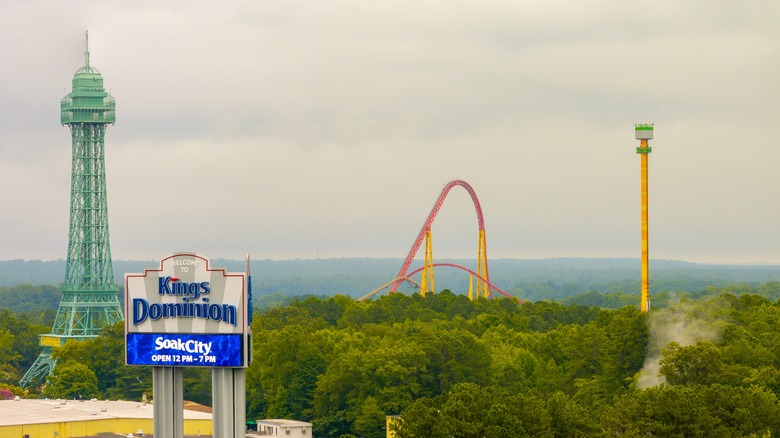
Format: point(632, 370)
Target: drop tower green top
point(88, 102)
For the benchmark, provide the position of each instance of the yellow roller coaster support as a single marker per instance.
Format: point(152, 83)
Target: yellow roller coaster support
point(483, 290)
point(427, 272)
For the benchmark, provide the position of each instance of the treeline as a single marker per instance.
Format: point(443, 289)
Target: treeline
point(533, 280)
point(38, 302)
point(447, 366)
point(664, 299)
point(26, 298)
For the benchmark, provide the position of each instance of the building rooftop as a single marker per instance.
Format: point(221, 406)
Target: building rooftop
point(284, 423)
point(31, 411)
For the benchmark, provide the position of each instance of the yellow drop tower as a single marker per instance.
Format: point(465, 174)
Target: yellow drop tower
point(644, 133)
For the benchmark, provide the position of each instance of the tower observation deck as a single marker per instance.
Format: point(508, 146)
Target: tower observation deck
point(89, 293)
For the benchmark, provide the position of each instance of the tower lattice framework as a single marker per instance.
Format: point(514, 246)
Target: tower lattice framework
point(89, 293)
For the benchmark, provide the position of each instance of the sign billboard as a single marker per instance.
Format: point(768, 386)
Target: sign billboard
point(187, 314)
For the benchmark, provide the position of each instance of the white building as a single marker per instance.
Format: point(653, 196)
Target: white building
point(284, 429)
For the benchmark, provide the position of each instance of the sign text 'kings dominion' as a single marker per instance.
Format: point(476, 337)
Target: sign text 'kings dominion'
point(186, 314)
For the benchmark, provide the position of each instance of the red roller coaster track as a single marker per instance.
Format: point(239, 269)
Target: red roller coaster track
point(482, 269)
point(462, 268)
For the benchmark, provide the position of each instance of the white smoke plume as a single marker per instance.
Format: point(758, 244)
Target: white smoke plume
point(686, 323)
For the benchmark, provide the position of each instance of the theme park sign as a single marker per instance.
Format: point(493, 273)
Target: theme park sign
point(187, 314)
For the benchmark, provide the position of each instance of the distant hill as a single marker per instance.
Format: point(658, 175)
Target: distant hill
point(553, 278)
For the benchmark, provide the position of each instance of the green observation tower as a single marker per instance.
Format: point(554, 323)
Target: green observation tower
point(89, 294)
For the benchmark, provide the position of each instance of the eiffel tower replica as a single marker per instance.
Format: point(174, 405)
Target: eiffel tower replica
point(89, 294)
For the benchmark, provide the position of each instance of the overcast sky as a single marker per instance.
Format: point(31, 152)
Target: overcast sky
point(304, 129)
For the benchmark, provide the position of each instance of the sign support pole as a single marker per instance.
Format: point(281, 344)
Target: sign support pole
point(168, 393)
point(228, 391)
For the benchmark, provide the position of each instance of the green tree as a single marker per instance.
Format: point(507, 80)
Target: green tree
point(132, 382)
point(367, 366)
point(694, 410)
point(469, 410)
point(699, 364)
point(288, 362)
point(25, 348)
point(370, 421)
point(515, 366)
point(568, 418)
point(626, 349)
point(105, 357)
point(455, 356)
point(7, 357)
point(71, 380)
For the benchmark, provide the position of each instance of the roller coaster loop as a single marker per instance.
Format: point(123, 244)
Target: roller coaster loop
point(484, 288)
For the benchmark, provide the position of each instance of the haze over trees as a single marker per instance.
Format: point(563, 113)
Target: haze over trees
point(556, 278)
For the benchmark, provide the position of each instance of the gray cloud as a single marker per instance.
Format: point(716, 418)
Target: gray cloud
point(295, 128)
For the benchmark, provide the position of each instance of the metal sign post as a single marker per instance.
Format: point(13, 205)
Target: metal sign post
point(228, 389)
point(168, 396)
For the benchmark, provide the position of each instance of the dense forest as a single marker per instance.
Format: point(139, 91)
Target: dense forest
point(708, 364)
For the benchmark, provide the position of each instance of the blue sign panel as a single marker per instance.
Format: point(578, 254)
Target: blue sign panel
point(192, 350)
